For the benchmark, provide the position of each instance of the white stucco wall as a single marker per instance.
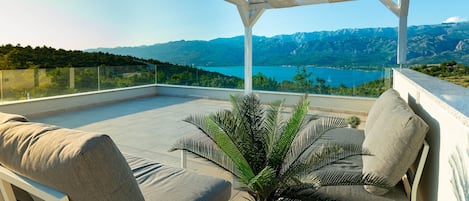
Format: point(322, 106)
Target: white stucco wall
point(41, 106)
point(445, 107)
point(340, 104)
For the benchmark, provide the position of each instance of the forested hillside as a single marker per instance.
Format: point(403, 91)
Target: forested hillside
point(449, 71)
point(18, 57)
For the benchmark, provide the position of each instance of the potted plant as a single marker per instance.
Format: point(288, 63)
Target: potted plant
point(271, 154)
point(353, 121)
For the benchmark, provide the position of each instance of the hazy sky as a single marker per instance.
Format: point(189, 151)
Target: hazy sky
point(82, 24)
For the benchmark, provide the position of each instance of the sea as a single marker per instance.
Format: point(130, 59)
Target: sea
point(334, 76)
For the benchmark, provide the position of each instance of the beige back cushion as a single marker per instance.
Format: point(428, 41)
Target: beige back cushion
point(382, 103)
point(85, 166)
point(394, 139)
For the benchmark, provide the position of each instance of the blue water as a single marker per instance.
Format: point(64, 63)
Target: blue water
point(333, 76)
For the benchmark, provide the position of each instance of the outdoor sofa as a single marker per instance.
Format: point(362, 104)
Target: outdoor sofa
point(395, 138)
point(44, 162)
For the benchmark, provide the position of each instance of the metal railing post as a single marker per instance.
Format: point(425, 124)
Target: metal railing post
point(99, 84)
point(156, 74)
point(1, 86)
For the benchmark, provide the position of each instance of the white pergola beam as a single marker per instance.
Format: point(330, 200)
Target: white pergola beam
point(237, 2)
point(404, 6)
point(254, 15)
point(391, 5)
point(310, 2)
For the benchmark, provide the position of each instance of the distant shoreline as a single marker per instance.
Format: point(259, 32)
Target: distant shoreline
point(333, 76)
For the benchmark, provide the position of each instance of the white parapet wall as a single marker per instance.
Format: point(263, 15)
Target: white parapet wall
point(42, 106)
point(339, 104)
point(445, 107)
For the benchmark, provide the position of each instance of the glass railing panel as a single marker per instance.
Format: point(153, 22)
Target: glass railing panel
point(192, 76)
point(37, 83)
point(84, 79)
point(347, 81)
point(14, 84)
point(53, 82)
point(365, 82)
point(114, 77)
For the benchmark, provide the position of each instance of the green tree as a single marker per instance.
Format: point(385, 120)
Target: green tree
point(303, 79)
point(321, 87)
point(273, 156)
point(262, 82)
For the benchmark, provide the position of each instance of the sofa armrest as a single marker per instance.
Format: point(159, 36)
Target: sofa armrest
point(9, 178)
point(412, 178)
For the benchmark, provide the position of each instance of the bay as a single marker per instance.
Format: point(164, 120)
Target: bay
point(350, 77)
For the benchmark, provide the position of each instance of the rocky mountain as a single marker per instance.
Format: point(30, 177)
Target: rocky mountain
point(345, 47)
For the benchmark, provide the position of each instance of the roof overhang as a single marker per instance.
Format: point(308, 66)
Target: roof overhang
point(268, 4)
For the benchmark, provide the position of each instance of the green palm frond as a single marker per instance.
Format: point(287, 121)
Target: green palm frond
point(262, 181)
point(225, 143)
point(341, 178)
point(250, 113)
point(307, 189)
point(293, 125)
point(300, 192)
point(321, 157)
point(307, 137)
point(227, 122)
point(331, 153)
point(203, 146)
point(198, 120)
point(274, 125)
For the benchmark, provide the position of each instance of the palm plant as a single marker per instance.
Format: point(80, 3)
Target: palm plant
point(272, 155)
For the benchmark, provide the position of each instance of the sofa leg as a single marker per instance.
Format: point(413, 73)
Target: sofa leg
point(7, 191)
point(183, 159)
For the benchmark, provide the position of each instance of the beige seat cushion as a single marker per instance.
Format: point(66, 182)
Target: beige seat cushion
point(176, 184)
point(85, 166)
point(394, 138)
point(357, 193)
point(353, 164)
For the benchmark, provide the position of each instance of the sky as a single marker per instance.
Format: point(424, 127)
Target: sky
point(84, 24)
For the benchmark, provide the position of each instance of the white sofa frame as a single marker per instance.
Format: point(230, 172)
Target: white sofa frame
point(411, 179)
point(9, 178)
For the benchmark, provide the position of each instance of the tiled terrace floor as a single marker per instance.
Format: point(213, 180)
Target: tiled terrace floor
point(146, 127)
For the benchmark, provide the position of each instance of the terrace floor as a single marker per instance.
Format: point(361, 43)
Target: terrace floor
point(147, 127)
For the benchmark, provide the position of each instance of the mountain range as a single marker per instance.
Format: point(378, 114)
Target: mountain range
point(428, 44)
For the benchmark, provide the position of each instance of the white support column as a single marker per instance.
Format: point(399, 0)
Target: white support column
point(402, 37)
point(249, 16)
point(402, 41)
point(401, 11)
point(247, 59)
